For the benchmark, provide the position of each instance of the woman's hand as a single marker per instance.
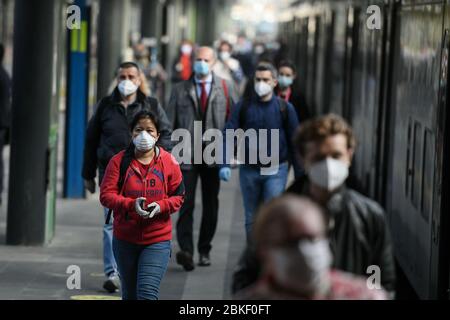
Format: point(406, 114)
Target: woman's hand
point(152, 209)
point(138, 207)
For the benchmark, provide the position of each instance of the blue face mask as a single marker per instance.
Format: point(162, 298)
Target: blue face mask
point(201, 68)
point(284, 81)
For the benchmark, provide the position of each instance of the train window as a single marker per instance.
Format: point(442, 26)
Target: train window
point(416, 186)
point(428, 175)
point(409, 171)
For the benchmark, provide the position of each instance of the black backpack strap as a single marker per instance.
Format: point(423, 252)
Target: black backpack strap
point(284, 119)
point(108, 217)
point(124, 164)
point(284, 114)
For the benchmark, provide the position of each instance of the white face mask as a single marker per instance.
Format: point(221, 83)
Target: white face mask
point(224, 55)
point(305, 268)
point(328, 174)
point(144, 142)
point(263, 89)
point(127, 87)
point(186, 49)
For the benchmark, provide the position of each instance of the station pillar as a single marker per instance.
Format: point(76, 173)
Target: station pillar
point(77, 103)
point(31, 214)
point(111, 22)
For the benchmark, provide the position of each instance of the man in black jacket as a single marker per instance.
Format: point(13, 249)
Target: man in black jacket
point(288, 90)
point(5, 110)
point(108, 133)
point(357, 229)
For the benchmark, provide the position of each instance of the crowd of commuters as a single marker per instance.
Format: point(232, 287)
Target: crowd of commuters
point(314, 242)
point(314, 239)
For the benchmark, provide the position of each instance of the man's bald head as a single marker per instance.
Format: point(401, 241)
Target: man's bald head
point(286, 219)
point(206, 54)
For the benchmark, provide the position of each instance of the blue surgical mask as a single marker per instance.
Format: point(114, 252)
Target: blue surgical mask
point(284, 81)
point(201, 68)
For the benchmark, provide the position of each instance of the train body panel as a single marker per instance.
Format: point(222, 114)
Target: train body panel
point(390, 84)
point(417, 68)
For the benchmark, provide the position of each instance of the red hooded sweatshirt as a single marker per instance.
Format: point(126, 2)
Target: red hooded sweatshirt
point(163, 184)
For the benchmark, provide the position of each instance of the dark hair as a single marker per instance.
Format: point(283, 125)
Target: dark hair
point(2, 52)
point(288, 64)
point(225, 43)
point(129, 64)
point(144, 114)
point(264, 66)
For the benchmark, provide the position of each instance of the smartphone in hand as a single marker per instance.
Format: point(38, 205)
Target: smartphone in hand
point(150, 209)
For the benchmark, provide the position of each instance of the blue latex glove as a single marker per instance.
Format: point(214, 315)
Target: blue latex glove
point(225, 174)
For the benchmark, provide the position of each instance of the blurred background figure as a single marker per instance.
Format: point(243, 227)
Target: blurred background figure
point(5, 113)
point(183, 64)
point(288, 90)
point(147, 59)
point(243, 53)
point(282, 52)
point(261, 54)
point(290, 240)
point(227, 67)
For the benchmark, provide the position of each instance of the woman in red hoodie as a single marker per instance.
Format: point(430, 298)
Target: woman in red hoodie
point(152, 189)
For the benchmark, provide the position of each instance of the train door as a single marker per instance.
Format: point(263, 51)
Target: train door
point(440, 220)
point(365, 98)
point(385, 113)
point(412, 192)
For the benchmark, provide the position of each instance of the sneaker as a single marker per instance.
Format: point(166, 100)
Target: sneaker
point(204, 260)
point(112, 285)
point(184, 258)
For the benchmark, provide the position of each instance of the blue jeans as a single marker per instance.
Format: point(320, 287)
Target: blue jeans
point(109, 262)
point(141, 268)
point(257, 189)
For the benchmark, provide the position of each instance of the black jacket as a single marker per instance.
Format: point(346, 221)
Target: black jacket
point(5, 99)
point(358, 235)
point(108, 131)
point(298, 100)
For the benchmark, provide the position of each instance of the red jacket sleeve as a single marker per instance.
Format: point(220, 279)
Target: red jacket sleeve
point(109, 190)
point(175, 187)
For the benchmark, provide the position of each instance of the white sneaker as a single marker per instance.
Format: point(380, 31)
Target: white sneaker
point(112, 285)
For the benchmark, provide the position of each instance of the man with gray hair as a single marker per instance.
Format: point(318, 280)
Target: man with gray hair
point(207, 99)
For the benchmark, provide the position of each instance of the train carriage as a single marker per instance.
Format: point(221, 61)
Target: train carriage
point(391, 83)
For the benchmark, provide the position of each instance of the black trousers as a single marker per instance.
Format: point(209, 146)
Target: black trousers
point(210, 185)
